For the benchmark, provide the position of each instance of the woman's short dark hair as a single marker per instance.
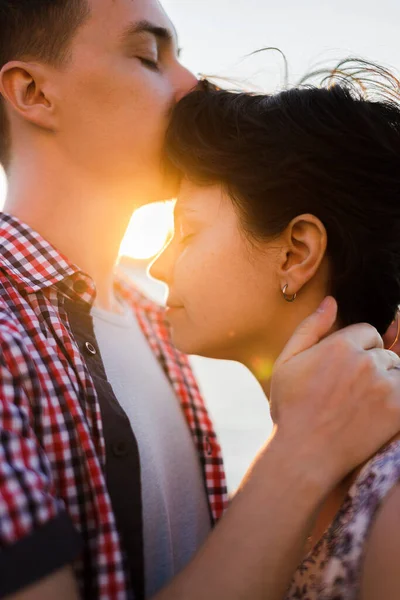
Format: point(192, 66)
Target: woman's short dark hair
point(327, 151)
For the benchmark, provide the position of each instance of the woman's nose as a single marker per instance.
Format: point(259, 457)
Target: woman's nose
point(160, 268)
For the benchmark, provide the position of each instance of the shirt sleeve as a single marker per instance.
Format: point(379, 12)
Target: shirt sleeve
point(37, 536)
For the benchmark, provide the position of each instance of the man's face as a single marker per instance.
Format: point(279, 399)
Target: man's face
point(116, 95)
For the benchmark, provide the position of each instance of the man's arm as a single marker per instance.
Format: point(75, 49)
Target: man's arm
point(37, 537)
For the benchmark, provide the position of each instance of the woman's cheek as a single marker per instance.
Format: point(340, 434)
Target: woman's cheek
point(195, 271)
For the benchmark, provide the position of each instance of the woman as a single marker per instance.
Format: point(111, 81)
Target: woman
point(285, 199)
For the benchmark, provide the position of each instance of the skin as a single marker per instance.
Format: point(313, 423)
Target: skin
point(211, 263)
point(225, 301)
point(86, 149)
point(91, 131)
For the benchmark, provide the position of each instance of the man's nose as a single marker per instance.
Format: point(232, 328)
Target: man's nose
point(187, 82)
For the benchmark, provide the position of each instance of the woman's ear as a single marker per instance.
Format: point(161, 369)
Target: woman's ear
point(27, 90)
point(305, 242)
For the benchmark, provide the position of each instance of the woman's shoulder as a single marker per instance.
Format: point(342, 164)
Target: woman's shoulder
point(375, 480)
point(351, 534)
point(379, 573)
point(334, 568)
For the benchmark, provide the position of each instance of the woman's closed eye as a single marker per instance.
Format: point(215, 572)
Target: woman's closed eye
point(185, 235)
point(186, 239)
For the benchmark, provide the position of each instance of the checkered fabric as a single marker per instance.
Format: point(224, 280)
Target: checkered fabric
point(52, 451)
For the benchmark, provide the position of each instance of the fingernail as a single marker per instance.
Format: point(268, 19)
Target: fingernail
point(324, 305)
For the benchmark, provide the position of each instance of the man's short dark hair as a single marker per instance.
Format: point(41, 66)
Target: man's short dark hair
point(36, 30)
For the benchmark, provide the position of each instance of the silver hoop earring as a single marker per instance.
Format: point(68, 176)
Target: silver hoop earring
point(285, 295)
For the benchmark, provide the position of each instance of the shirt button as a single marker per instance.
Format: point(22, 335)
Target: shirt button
point(80, 286)
point(120, 449)
point(90, 349)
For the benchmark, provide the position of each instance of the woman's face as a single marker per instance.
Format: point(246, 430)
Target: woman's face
point(224, 296)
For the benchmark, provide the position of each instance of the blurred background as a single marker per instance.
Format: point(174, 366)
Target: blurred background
point(217, 37)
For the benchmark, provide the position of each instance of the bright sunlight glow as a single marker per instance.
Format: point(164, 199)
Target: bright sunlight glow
point(3, 188)
point(149, 230)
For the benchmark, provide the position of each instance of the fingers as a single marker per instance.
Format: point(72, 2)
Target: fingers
point(361, 335)
point(384, 359)
point(311, 330)
point(390, 337)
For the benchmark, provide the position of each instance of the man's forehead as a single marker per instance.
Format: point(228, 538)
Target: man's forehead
point(125, 13)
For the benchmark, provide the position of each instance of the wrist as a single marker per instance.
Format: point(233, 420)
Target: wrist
point(298, 468)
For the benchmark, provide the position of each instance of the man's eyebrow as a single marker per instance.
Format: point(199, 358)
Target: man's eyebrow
point(161, 33)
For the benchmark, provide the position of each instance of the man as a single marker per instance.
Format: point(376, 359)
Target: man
point(101, 486)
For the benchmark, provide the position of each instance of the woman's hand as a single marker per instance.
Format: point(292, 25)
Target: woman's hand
point(335, 400)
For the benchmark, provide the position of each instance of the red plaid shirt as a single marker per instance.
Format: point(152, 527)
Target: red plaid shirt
point(52, 452)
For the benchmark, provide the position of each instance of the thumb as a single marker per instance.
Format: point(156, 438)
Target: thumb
point(311, 330)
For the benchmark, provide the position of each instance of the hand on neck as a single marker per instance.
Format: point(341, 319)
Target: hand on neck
point(262, 357)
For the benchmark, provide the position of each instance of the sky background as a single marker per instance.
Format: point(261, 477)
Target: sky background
point(215, 36)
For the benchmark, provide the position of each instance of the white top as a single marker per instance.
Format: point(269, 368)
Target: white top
point(175, 512)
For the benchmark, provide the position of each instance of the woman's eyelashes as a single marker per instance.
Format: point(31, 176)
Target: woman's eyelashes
point(185, 234)
point(186, 238)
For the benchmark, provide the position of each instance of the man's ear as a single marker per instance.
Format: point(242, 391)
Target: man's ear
point(28, 92)
point(305, 243)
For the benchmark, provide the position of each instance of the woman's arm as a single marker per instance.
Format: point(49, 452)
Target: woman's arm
point(325, 396)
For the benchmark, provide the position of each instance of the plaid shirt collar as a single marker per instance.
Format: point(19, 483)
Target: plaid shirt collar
point(34, 264)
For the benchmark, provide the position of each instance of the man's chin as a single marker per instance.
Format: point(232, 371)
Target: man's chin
point(170, 181)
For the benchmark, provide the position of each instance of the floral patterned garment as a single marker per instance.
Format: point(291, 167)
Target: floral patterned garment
point(332, 569)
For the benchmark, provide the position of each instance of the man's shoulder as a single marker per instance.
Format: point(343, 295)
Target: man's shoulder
point(15, 357)
point(9, 324)
point(15, 347)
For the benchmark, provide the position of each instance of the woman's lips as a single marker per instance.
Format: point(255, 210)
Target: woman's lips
point(173, 303)
point(171, 309)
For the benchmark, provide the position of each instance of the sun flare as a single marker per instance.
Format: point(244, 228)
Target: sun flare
point(149, 230)
point(3, 188)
